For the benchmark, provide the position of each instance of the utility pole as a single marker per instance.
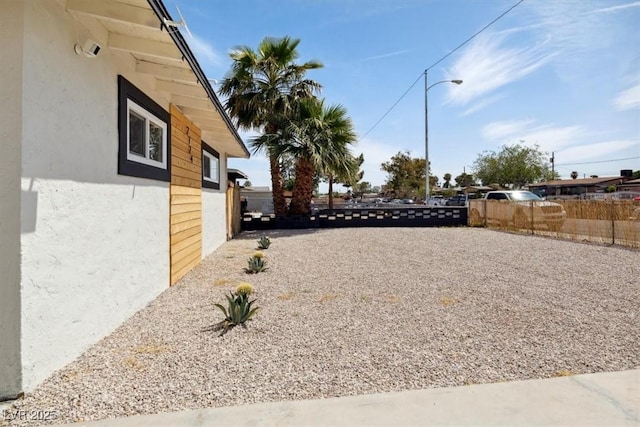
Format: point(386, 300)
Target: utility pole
point(553, 165)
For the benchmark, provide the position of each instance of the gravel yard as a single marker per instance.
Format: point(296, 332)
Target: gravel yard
point(355, 311)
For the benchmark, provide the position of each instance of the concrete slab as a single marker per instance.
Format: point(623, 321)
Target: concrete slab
point(603, 399)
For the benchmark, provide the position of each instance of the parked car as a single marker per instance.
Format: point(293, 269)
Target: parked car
point(437, 200)
point(520, 208)
point(457, 200)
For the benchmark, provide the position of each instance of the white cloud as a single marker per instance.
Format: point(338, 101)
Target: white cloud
point(628, 99)
point(549, 137)
point(596, 151)
point(579, 32)
point(615, 8)
point(204, 51)
point(386, 55)
point(485, 102)
point(501, 130)
point(488, 64)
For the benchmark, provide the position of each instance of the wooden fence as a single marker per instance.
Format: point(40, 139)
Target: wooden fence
point(598, 221)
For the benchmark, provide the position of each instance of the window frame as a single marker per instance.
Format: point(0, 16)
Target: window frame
point(209, 182)
point(130, 98)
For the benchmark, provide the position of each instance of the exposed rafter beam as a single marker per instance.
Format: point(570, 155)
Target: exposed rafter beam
point(166, 71)
point(193, 91)
point(185, 101)
point(113, 11)
point(200, 114)
point(212, 125)
point(144, 46)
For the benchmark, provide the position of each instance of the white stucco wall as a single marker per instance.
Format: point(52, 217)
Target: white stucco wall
point(214, 212)
point(10, 136)
point(95, 244)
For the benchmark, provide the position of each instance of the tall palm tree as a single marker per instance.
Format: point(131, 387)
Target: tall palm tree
point(319, 139)
point(261, 89)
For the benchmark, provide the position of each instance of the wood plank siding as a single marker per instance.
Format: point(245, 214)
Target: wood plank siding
point(185, 195)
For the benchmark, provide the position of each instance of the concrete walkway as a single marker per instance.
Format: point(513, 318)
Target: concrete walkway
point(603, 399)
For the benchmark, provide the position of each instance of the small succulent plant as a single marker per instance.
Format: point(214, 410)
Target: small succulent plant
point(239, 308)
point(264, 242)
point(256, 264)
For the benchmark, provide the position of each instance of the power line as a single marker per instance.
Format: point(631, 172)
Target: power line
point(473, 36)
point(436, 63)
point(598, 161)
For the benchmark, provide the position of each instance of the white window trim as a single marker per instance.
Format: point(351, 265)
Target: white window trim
point(213, 160)
point(151, 118)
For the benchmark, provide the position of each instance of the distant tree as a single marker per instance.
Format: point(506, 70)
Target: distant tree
point(465, 180)
point(361, 188)
point(552, 175)
point(593, 176)
point(405, 175)
point(448, 193)
point(574, 175)
point(348, 175)
point(376, 189)
point(636, 175)
point(247, 184)
point(513, 166)
point(447, 180)
point(611, 189)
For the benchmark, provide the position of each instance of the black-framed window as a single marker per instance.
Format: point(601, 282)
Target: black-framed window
point(144, 129)
point(210, 167)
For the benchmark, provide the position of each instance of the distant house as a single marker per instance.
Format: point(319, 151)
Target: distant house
point(259, 199)
point(113, 174)
point(632, 185)
point(576, 187)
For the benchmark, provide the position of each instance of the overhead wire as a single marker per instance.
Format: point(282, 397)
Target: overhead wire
point(598, 161)
point(436, 63)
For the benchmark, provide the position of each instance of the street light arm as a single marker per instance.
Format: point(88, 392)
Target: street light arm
point(458, 82)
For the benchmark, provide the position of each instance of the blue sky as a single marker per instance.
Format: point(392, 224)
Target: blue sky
point(564, 75)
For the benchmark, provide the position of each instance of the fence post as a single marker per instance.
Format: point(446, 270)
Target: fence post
point(613, 222)
point(484, 211)
point(533, 220)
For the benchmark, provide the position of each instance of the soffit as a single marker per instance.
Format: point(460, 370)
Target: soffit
point(132, 27)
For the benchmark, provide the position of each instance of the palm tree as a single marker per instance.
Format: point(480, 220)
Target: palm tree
point(319, 140)
point(261, 89)
point(447, 180)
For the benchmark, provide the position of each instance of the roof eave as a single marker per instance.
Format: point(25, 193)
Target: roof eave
point(161, 11)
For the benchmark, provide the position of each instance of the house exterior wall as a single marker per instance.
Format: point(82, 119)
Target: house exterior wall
point(214, 215)
point(94, 246)
point(11, 20)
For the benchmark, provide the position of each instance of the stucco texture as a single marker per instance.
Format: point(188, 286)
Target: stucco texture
point(94, 244)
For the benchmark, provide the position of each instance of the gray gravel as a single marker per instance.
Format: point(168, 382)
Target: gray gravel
point(355, 311)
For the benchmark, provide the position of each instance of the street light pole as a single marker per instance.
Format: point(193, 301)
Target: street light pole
point(426, 125)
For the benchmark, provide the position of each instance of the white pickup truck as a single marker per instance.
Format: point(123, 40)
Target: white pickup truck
point(520, 208)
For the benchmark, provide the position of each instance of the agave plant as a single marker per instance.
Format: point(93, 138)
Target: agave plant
point(264, 242)
point(256, 264)
point(239, 308)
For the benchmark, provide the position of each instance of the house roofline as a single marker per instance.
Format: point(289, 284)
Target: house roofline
point(162, 13)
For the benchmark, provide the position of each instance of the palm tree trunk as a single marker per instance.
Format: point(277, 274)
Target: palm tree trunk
point(303, 188)
point(279, 206)
point(330, 191)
